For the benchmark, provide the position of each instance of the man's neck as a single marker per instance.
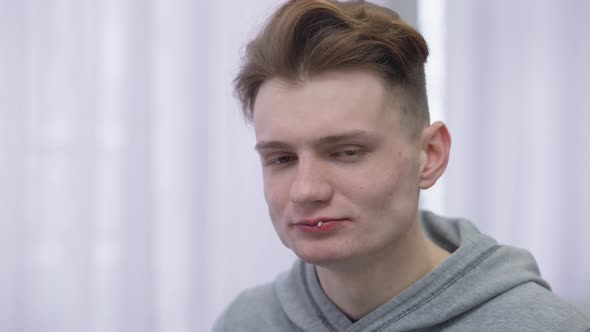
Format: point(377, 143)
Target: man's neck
point(360, 288)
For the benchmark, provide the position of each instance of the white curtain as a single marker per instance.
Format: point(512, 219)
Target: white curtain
point(130, 194)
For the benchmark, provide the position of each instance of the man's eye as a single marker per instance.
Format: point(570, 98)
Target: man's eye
point(280, 160)
point(347, 154)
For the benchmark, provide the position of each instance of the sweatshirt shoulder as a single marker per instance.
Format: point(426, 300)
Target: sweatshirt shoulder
point(528, 307)
point(255, 309)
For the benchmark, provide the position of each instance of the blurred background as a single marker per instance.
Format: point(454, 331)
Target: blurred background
point(130, 194)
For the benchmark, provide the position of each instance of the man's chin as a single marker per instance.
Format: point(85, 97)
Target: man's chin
point(321, 258)
point(323, 251)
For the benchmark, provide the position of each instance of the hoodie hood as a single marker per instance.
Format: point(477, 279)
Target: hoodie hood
point(477, 271)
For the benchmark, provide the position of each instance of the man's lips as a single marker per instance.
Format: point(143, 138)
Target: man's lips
point(320, 225)
point(316, 221)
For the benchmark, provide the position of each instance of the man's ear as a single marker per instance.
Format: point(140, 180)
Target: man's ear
point(436, 146)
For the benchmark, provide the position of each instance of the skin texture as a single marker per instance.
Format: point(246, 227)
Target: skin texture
point(332, 147)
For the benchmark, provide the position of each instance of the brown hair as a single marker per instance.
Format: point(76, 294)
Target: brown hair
point(304, 38)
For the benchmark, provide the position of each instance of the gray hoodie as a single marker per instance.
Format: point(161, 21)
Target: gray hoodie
point(482, 286)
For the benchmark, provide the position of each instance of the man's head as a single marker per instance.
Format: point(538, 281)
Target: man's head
point(304, 39)
point(341, 122)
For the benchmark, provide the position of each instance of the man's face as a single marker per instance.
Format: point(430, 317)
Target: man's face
point(341, 177)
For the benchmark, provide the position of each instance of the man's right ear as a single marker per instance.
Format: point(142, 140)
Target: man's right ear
point(436, 147)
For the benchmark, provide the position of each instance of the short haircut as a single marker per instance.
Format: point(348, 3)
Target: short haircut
point(304, 38)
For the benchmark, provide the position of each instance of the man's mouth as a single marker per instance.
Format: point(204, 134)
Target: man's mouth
point(317, 221)
point(319, 224)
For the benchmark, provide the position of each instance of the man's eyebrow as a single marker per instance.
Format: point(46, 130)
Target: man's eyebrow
point(354, 134)
point(325, 140)
point(263, 145)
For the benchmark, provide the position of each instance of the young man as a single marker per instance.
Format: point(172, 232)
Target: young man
point(336, 93)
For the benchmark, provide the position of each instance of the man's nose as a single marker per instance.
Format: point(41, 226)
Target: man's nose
point(310, 184)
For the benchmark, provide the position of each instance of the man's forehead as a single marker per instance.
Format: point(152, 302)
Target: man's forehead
point(327, 108)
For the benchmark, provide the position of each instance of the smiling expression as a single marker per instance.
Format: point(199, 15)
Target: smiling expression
point(334, 153)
